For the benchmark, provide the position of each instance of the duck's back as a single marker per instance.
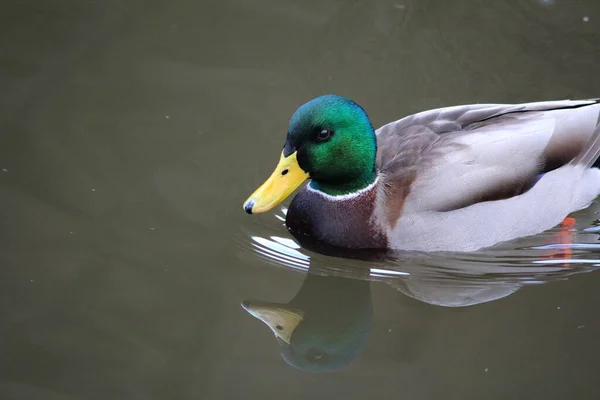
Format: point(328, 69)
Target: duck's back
point(477, 161)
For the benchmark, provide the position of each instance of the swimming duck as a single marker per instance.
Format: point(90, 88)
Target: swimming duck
point(451, 179)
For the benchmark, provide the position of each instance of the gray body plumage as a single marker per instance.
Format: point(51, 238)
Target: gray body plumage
point(466, 177)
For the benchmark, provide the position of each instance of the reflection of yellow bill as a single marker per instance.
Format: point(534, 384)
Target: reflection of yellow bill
point(283, 181)
point(281, 319)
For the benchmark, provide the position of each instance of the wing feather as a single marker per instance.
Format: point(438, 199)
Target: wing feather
point(449, 158)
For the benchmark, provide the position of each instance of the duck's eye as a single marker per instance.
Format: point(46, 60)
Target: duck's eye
point(324, 135)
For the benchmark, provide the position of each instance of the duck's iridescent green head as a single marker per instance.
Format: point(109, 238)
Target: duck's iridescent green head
point(331, 140)
point(335, 142)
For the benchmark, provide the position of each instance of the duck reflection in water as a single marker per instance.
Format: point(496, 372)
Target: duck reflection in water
point(327, 323)
point(324, 327)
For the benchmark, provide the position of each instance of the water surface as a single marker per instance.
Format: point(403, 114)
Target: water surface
point(131, 133)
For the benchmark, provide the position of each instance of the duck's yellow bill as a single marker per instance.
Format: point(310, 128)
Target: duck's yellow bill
point(283, 181)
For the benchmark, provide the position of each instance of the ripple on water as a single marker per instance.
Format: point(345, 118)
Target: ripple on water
point(445, 278)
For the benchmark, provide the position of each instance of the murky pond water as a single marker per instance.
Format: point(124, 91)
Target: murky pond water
point(131, 133)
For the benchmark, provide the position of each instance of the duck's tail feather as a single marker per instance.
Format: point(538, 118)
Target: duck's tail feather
point(590, 156)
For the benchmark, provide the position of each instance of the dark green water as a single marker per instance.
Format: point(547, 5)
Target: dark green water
point(132, 131)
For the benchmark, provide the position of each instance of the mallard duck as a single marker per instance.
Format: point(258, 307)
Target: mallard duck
point(451, 179)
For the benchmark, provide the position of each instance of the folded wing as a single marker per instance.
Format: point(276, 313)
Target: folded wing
point(450, 158)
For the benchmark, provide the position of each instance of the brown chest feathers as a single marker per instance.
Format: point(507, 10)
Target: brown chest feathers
point(344, 222)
